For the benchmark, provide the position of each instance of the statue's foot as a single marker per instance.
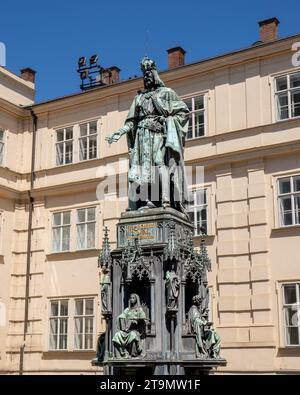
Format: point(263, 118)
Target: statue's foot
point(166, 203)
point(149, 204)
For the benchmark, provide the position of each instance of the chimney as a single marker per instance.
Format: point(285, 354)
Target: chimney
point(28, 74)
point(176, 57)
point(115, 74)
point(268, 29)
point(111, 75)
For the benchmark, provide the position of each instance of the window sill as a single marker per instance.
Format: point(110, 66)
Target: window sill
point(49, 354)
point(283, 230)
point(287, 119)
point(75, 163)
point(289, 347)
point(195, 138)
point(73, 254)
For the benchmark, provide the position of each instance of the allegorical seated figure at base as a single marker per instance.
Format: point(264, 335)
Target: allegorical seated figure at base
point(207, 339)
point(129, 340)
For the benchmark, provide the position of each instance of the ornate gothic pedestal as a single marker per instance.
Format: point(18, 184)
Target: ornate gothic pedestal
point(156, 260)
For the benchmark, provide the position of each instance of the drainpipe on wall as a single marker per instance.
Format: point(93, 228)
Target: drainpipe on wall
point(29, 234)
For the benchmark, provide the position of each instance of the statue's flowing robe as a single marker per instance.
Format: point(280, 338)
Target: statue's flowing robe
point(151, 143)
point(124, 338)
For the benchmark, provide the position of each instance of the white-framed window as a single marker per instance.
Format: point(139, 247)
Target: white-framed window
point(58, 333)
point(88, 141)
point(2, 133)
point(61, 227)
point(197, 210)
point(196, 126)
point(86, 228)
point(289, 200)
point(84, 324)
point(291, 313)
point(287, 96)
point(64, 146)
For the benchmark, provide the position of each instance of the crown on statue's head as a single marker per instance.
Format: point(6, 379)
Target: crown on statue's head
point(147, 64)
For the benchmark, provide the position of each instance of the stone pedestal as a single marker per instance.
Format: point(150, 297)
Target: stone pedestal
point(155, 258)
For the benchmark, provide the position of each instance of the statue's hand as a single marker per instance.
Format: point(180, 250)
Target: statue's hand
point(113, 137)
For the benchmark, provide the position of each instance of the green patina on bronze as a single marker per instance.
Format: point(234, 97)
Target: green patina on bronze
point(156, 127)
point(129, 340)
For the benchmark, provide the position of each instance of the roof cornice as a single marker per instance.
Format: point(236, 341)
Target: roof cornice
point(186, 71)
point(13, 108)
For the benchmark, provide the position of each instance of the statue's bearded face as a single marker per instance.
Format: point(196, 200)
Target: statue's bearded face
point(148, 79)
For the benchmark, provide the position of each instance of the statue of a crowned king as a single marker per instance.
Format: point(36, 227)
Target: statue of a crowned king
point(156, 127)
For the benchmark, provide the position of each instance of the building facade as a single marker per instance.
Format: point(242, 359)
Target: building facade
point(244, 129)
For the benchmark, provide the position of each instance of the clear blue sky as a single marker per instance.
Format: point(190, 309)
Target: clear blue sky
point(49, 36)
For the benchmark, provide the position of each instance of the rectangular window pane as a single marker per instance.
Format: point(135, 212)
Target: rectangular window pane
point(83, 129)
point(190, 127)
point(78, 341)
point(63, 326)
point(297, 184)
point(64, 308)
point(60, 135)
point(282, 106)
point(291, 316)
point(56, 235)
point(198, 103)
point(91, 235)
point(83, 149)
point(199, 124)
point(79, 307)
point(295, 102)
point(53, 342)
point(284, 186)
point(93, 127)
point(60, 154)
point(54, 326)
point(292, 335)
point(295, 80)
point(69, 133)
point(93, 147)
point(79, 325)
point(69, 152)
point(200, 197)
point(57, 219)
point(62, 342)
point(65, 238)
point(88, 342)
point(89, 306)
point(281, 83)
point(287, 219)
point(91, 214)
point(88, 328)
point(290, 294)
point(286, 204)
point(54, 309)
point(67, 217)
point(81, 215)
point(1, 153)
point(80, 237)
point(189, 104)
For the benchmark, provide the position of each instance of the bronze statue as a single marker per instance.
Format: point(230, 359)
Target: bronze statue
point(129, 340)
point(173, 287)
point(207, 340)
point(156, 127)
point(105, 285)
